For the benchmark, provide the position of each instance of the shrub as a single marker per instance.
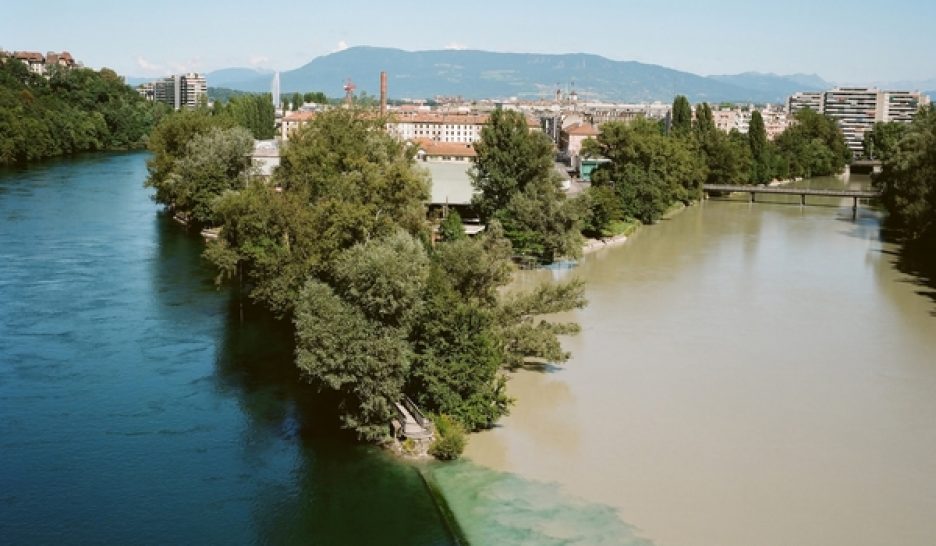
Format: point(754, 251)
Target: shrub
point(450, 439)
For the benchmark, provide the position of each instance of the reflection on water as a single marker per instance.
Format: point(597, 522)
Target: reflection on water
point(136, 407)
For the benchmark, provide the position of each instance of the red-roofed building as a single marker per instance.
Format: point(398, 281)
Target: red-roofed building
point(444, 151)
point(39, 63)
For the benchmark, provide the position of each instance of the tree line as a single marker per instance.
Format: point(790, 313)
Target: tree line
point(70, 111)
point(653, 166)
point(339, 245)
point(908, 177)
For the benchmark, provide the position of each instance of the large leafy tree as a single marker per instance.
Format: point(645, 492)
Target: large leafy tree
point(813, 146)
point(213, 163)
point(253, 111)
point(169, 144)
point(649, 171)
point(518, 185)
point(510, 158)
point(681, 116)
point(881, 141)
point(343, 181)
point(759, 146)
point(908, 178)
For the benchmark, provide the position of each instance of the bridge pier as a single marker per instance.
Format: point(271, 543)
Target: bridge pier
point(753, 198)
point(802, 199)
point(854, 208)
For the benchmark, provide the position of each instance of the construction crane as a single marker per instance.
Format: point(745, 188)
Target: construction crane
point(349, 88)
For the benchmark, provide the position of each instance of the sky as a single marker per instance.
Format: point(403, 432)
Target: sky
point(857, 41)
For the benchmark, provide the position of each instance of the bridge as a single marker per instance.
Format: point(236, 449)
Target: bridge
point(855, 195)
point(410, 422)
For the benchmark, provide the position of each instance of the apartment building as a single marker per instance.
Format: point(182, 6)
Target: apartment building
point(857, 109)
point(178, 91)
point(463, 128)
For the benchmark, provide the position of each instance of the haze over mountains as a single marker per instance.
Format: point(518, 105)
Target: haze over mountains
point(482, 74)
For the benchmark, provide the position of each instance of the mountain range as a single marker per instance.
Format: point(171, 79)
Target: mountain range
point(476, 74)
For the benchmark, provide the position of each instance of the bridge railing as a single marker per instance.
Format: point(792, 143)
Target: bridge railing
point(418, 415)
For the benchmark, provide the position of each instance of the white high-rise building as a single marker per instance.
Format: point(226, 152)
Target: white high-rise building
point(857, 109)
point(178, 91)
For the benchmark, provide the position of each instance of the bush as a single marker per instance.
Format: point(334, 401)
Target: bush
point(450, 439)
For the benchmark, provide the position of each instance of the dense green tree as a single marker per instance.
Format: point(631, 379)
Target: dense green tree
point(255, 112)
point(758, 144)
point(213, 163)
point(316, 97)
point(73, 110)
point(540, 222)
point(649, 171)
point(509, 158)
point(451, 228)
point(296, 101)
point(518, 185)
point(603, 207)
point(169, 143)
point(704, 123)
point(881, 141)
point(908, 178)
point(681, 116)
point(727, 158)
point(813, 145)
point(343, 181)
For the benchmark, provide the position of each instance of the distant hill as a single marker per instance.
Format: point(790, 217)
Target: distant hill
point(483, 74)
point(777, 87)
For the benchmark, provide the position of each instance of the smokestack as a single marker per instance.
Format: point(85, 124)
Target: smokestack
point(383, 93)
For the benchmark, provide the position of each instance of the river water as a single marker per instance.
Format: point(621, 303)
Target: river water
point(136, 408)
point(746, 375)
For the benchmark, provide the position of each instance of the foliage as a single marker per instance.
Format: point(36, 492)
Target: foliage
point(450, 439)
point(681, 121)
point(881, 141)
point(74, 110)
point(363, 361)
point(518, 186)
point(451, 228)
point(540, 222)
point(253, 111)
point(761, 171)
point(344, 181)
point(316, 97)
point(604, 209)
point(510, 158)
point(169, 143)
point(336, 241)
point(213, 163)
point(908, 178)
point(648, 171)
point(813, 146)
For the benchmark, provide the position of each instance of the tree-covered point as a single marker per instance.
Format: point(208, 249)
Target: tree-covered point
point(338, 242)
point(73, 110)
point(908, 178)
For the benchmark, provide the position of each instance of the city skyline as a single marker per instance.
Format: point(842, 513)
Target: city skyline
point(804, 37)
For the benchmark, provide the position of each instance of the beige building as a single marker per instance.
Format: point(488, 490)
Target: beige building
point(39, 63)
point(293, 121)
